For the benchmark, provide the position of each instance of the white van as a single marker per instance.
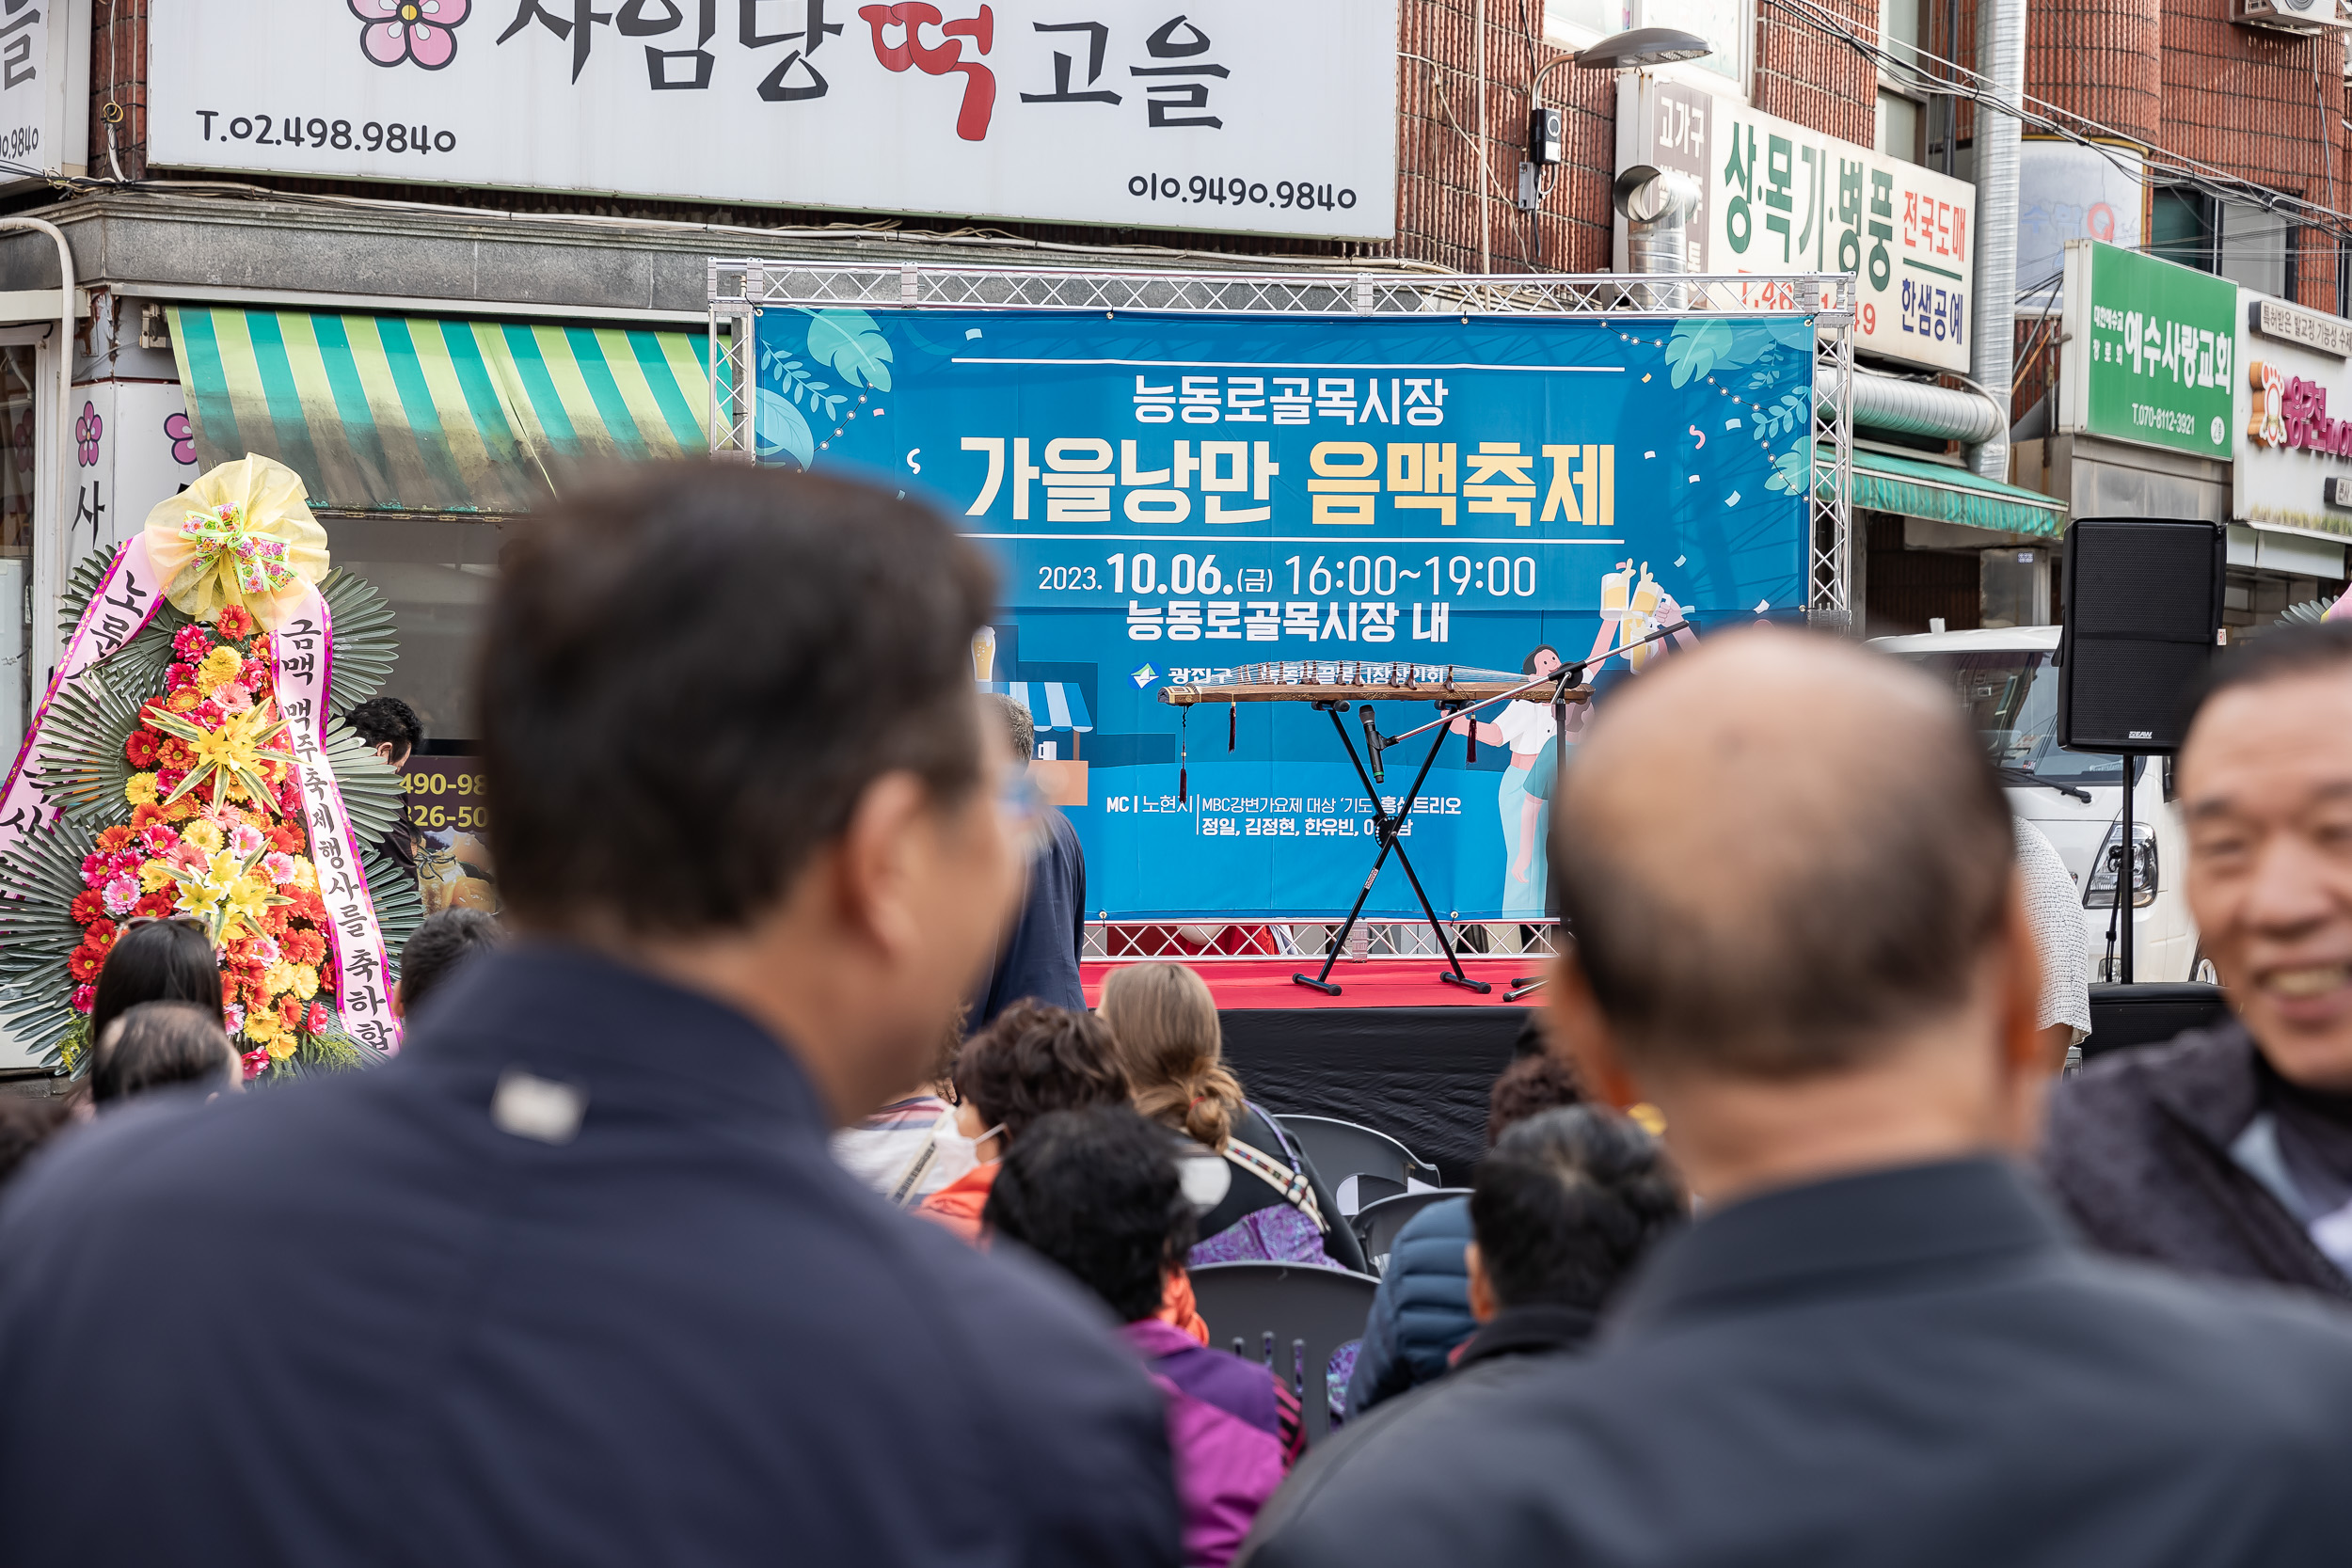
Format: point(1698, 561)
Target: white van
point(2008, 678)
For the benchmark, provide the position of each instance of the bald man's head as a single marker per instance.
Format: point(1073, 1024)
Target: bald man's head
point(1778, 852)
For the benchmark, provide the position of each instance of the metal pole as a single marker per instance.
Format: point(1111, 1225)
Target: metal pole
point(1993, 355)
point(2124, 871)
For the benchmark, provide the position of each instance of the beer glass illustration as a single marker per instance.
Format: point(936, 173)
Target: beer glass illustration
point(983, 654)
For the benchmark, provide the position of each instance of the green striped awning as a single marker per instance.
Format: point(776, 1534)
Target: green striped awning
point(413, 414)
point(1909, 489)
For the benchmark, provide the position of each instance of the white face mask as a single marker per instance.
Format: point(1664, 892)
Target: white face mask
point(953, 1155)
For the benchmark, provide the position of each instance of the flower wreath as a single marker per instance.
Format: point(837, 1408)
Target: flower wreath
point(165, 776)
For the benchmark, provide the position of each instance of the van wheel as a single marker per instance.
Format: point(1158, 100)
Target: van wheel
point(2201, 970)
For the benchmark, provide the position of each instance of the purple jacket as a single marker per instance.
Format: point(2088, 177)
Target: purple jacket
point(1225, 1429)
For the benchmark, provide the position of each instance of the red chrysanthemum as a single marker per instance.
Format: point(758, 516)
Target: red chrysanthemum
point(141, 748)
point(235, 623)
point(190, 643)
point(145, 816)
point(83, 998)
point(173, 755)
point(286, 839)
point(101, 934)
point(156, 905)
point(179, 675)
point(253, 673)
point(303, 946)
point(85, 963)
point(114, 840)
point(87, 907)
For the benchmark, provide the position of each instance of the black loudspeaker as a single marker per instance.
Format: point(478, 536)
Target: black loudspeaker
point(2143, 613)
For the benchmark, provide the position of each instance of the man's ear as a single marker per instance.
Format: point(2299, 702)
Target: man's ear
point(1580, 1031)
point(873, 862)
point(1481, 1290)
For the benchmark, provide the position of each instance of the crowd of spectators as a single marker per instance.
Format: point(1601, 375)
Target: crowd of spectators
point(712, 1217)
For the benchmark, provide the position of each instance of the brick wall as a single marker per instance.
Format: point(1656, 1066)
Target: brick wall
point(2263, 105)
point(1820, 82)
point(2099, 59)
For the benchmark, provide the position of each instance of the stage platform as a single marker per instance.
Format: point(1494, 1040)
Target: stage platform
point(1397, 1050)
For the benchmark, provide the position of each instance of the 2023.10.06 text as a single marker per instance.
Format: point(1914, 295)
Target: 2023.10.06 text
point(1499, 577)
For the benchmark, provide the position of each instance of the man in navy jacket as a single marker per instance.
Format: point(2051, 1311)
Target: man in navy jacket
point(1876, 1345)
point(573, 1279)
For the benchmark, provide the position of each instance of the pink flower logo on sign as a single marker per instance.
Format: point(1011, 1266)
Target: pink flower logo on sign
point(182, 435)
point(415, 30)
point(85, 432)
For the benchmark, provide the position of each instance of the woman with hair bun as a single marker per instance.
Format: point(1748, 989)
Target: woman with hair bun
point(1261, 1200)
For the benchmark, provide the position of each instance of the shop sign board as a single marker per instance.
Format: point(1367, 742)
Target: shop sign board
point(2067, 191)
point(1150, 114)
point(2294, 419)
point(44, 88)
point(1169, 499)
point(2149, 351)
point(1780, 199)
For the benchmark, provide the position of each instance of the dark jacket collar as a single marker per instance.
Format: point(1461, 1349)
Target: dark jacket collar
point(1841, 1237)
point(1539, 1329)
point(570, 1014)
point(2210, 1085)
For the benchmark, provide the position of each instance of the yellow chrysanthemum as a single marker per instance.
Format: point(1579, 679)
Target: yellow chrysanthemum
point(220, 665)
point(154, 877)
point(205, 836)
point(282, 1047)
point(181, 808)
point(306, 874)
point(278, 978)
point(262, 1025)
point(306, 981)
point(141, 790)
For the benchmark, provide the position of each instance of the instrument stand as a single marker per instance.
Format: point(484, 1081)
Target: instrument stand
point(1388, 827)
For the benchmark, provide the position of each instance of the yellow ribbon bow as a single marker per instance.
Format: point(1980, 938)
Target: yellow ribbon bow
point(241, 534)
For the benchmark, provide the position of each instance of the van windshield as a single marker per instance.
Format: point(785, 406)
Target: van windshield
point(2011, 696)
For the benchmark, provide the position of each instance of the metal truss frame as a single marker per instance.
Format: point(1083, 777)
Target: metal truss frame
point(741, 288)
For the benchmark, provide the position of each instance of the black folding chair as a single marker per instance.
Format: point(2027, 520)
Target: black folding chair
point(1377, 1223)
point(1339, 1149)
point(1289, 1316)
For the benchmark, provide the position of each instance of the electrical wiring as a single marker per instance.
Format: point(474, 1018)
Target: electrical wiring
point(2050, 120)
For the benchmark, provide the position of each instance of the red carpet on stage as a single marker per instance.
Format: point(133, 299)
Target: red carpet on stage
point(1378, 983)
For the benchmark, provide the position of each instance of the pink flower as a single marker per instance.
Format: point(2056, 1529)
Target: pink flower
point(94, 870)
point(83, 997)
point(257, 1060)
point(158, 838)
point(85, 432)
point(232, 698)
point(119, 894)
point(244, 839)
point(262, 952)
point(182, 435)
point(415, 30)
point(190, 644)
point(234, 1016)
point(280, 868)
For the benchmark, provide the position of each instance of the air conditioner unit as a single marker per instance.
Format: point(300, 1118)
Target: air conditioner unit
point(2288, 16)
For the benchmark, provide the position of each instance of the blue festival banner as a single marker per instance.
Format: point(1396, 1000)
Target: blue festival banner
point(1173, 496)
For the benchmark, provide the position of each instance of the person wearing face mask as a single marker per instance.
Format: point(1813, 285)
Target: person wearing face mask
point(910, 1147)
point(2228, 1151)
point(1031, 1060)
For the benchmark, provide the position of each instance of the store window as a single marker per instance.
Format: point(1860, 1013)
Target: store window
point(437, 578)
point(20, 459)
point(2240, 241)
point(1729, 26)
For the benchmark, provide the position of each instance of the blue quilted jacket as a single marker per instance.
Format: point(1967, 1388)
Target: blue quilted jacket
point(1421, 1309)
